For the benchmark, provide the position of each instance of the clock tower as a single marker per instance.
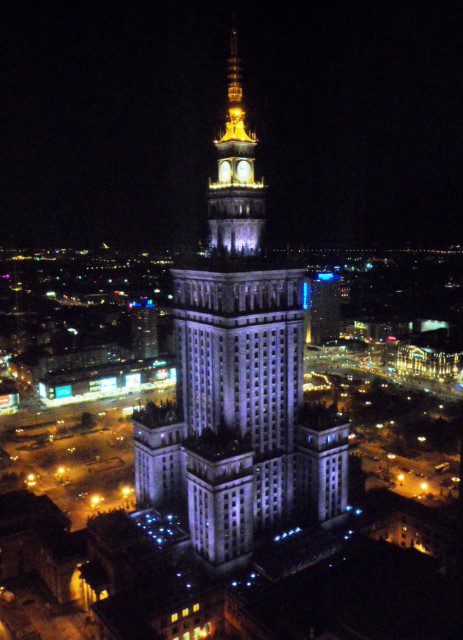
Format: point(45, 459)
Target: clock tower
point(236, 211)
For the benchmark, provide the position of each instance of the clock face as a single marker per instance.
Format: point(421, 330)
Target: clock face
point(243, 171)
point(225, 171)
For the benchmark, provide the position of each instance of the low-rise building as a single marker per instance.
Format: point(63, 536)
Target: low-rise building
point(432, 355)
point(93, 383)
point(34, 536)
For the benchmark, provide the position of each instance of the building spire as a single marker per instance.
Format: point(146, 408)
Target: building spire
point(235, 129)
point(235, 91)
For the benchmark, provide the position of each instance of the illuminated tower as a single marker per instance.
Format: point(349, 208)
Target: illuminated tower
point(228, 452)
point(238, 324)
point(236, 203)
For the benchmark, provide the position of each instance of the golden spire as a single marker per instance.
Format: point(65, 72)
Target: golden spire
point(235, 91)
point(235, 125)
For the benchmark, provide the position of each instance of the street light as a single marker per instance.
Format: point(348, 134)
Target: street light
point(400, 477)
point(421, 439)
point(424, 486)
point(31, 480)
point(126, 492)
point(95, 500)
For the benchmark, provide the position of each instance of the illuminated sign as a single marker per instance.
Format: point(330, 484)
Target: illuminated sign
point(133, 380)
point(63, 392)
point(305, 296)
point(108, 384)
point(143, 304)
point(159, 363)
point(162, 374)
point(173, 373)
point(326, 276)
point(5, 401)
point(42, 390)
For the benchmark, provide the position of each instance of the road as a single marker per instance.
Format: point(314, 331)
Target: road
point(350, 365)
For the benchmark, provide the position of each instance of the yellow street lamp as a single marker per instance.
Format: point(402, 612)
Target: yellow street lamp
point(126, 491)
point(31, 480)
point(95, 500)
point(60, 471)
point(400, 477)
point(424, 486)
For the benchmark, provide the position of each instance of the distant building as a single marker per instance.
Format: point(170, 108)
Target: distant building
point(322, 308)
point(35, 366)
point(143, 315)
point(432, 355)
point(375, 330)
point(93, 383)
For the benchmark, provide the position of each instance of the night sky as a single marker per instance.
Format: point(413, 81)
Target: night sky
point(109, 110)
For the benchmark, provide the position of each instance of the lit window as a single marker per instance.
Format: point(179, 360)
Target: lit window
point(185, 612)
point(195, 607)
point(174, 617)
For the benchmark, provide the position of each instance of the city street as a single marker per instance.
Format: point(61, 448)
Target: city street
point(84, 472)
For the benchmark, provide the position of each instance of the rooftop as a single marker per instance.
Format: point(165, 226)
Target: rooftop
point(162, 530)
point(155, 415)
point(100, 370)
point(319, 417)
point(218, 446)
point(375, 591)
point(224, 262)
point(23, 510)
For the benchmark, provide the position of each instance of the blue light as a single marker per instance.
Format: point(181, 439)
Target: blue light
point(63, 392)
point(305, 296)
point(325, 277)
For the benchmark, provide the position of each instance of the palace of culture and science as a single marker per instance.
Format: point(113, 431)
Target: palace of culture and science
point(240, 454)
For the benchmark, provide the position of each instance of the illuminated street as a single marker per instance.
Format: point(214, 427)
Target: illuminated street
point(83, 473)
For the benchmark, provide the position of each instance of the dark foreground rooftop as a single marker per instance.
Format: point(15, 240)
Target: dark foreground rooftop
point(374, 591)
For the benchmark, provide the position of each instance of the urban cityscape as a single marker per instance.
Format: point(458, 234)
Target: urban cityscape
point(242, 434)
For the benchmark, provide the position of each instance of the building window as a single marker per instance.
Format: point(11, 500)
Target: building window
point(185, 612)
point(195, 607)
point(174, 617)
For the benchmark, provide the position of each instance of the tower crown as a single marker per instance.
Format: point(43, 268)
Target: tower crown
point(236, 208)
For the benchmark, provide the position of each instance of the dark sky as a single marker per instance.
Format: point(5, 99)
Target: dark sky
point(109, 109)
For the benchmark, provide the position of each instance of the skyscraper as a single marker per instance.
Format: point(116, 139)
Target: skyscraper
point(144, 329)
point(228, 451)
point(322, 308)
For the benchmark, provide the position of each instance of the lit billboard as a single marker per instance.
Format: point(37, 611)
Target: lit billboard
point(9, 402)
point(108, 384)
point(5, 401)
point(63, 392)
point(133, 380)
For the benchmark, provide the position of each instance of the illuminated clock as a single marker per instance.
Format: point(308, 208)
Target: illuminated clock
point(243, 171)
point(225, 171)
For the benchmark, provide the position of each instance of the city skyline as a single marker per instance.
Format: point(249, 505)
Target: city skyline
point(209, 427)
point(115, 127)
